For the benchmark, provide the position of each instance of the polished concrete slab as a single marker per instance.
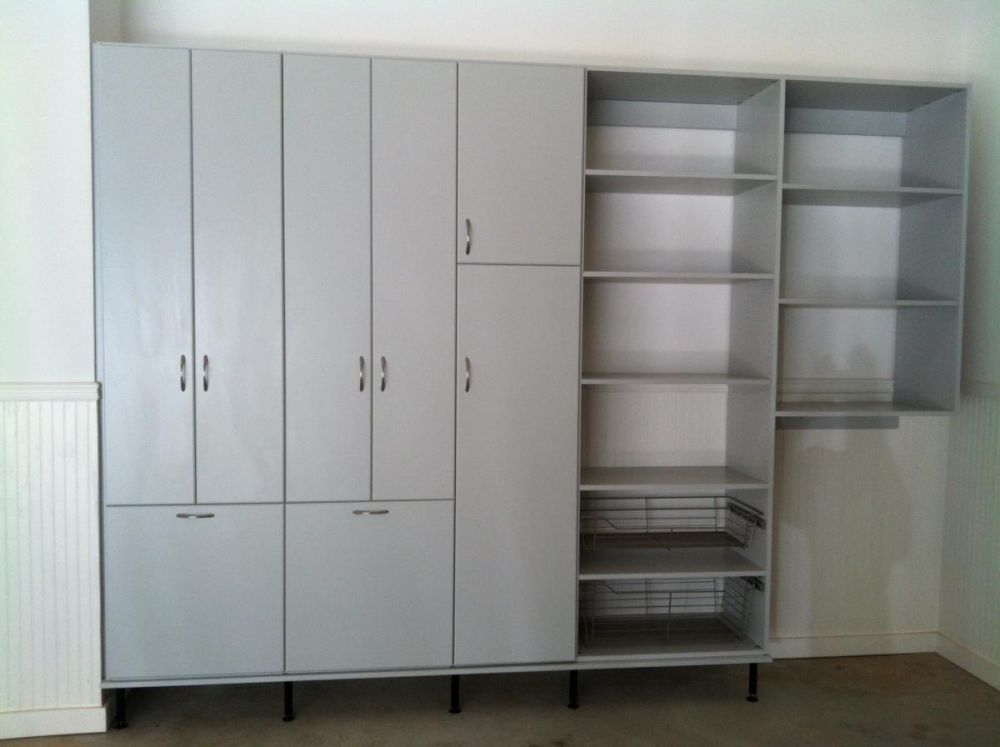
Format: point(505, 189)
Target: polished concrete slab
point(876, 700)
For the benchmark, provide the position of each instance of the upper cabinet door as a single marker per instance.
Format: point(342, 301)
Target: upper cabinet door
point(327, 277)
point(520, 163)
point(142, 211)
point(413, 255)
point(516, 502)
point(237, 269)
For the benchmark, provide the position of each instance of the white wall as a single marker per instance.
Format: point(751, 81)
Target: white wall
point(46, 259)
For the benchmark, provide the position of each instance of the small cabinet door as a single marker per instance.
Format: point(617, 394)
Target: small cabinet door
point(327, 277)
point(142, 213)
point(236, 130)
point(369, 585)
point(520, 163)
point(413, 211)
point(192, 597)
point(516, 494)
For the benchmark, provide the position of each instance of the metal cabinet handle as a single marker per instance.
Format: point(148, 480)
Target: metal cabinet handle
point(382, 383)
point(468, 236)
point(468, 374)
point(195, 516)
point(371, 512)
point(362, 373)
point(184, 373)
point(204, 372)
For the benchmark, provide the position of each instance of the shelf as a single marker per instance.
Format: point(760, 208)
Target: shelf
point(864, 303)
point(666, 478)
point(835, 196)
point(853, 409)
point(640, 647)
point(709, 278)
point(672, 380)
point(658, 182)
point(613, 564)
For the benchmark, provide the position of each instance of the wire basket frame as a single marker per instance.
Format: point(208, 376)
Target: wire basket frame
point(716, 521)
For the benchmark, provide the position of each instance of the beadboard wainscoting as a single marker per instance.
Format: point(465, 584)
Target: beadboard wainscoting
point(50, 631)
point(970, 576)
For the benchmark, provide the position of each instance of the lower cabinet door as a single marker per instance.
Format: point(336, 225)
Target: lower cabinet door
point(369, 585)
point(192, 591)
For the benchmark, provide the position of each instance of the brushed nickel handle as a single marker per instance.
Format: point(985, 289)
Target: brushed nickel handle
point(468, 236)
point(204, 372)
point(362, 373)
point(468, 374)
point(195, 516)
point(184, 373)
point(382, 376)
point(371, 512)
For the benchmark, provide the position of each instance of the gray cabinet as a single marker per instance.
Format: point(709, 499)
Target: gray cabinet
point(413, 291)
point(328, 368)
point(515, 531)
point(236, 140)
point(520, 163)
point(142, 214)
point(192, 597)
point(369, 585)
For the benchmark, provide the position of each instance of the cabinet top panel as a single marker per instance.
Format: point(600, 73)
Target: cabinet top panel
point(857, 96)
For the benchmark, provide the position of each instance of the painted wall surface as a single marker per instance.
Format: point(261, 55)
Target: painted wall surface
point(46, 256)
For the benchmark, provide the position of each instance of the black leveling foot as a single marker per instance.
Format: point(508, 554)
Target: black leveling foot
point(120, 720)
point(289, 703)
point(574, 690)
point(456, 694)
point(752, 685)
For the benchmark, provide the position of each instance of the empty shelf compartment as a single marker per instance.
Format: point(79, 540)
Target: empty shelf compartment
point(647, 616)
point(677, 522)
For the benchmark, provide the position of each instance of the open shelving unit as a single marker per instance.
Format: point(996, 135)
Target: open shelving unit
point(871, 260)
point(680, 299)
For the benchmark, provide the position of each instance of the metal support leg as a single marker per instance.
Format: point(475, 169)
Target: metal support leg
point(752, 685)
point(456, 694)
point(574, 690)
point(121, 720)
point(289, 703)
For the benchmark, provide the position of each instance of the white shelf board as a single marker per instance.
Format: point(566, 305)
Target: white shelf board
point(666, 478)
point(660, 182)
point(863, 303)
point(673, 380)
point(853, 409)
point(617, 564)
point(841, 196)
point(653, 276)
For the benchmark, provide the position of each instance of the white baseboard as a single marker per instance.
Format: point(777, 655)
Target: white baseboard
point(52, 722)
point(853, 645)
point(975, 664)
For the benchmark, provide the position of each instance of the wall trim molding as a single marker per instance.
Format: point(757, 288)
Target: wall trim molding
point(980, 388)
point(853, 645)
point(965, 658)
point(51, 722)
point(32, 391)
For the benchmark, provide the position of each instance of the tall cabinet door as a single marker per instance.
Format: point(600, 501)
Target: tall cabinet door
point(413, 283)
point(236, 100)
point(327, 278)
point(520, 163)
point(142, 211)
point(516, 502)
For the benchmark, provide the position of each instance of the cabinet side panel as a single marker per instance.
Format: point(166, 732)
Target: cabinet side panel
point(238, 275)
point(516, 504)
point(142, 206)
point(327, 277)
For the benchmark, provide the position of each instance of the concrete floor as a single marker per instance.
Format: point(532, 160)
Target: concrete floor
point(876, 700)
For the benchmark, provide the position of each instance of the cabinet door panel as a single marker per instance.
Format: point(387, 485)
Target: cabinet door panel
point(516, 494)
point(188, 597)
point(327, 277)
point(369, 590)
point(413, 211)
point(520, 163)
point(236, 101)
point(142, 212)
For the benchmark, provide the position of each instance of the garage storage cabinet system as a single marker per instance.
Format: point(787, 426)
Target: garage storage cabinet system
point(420, 367)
